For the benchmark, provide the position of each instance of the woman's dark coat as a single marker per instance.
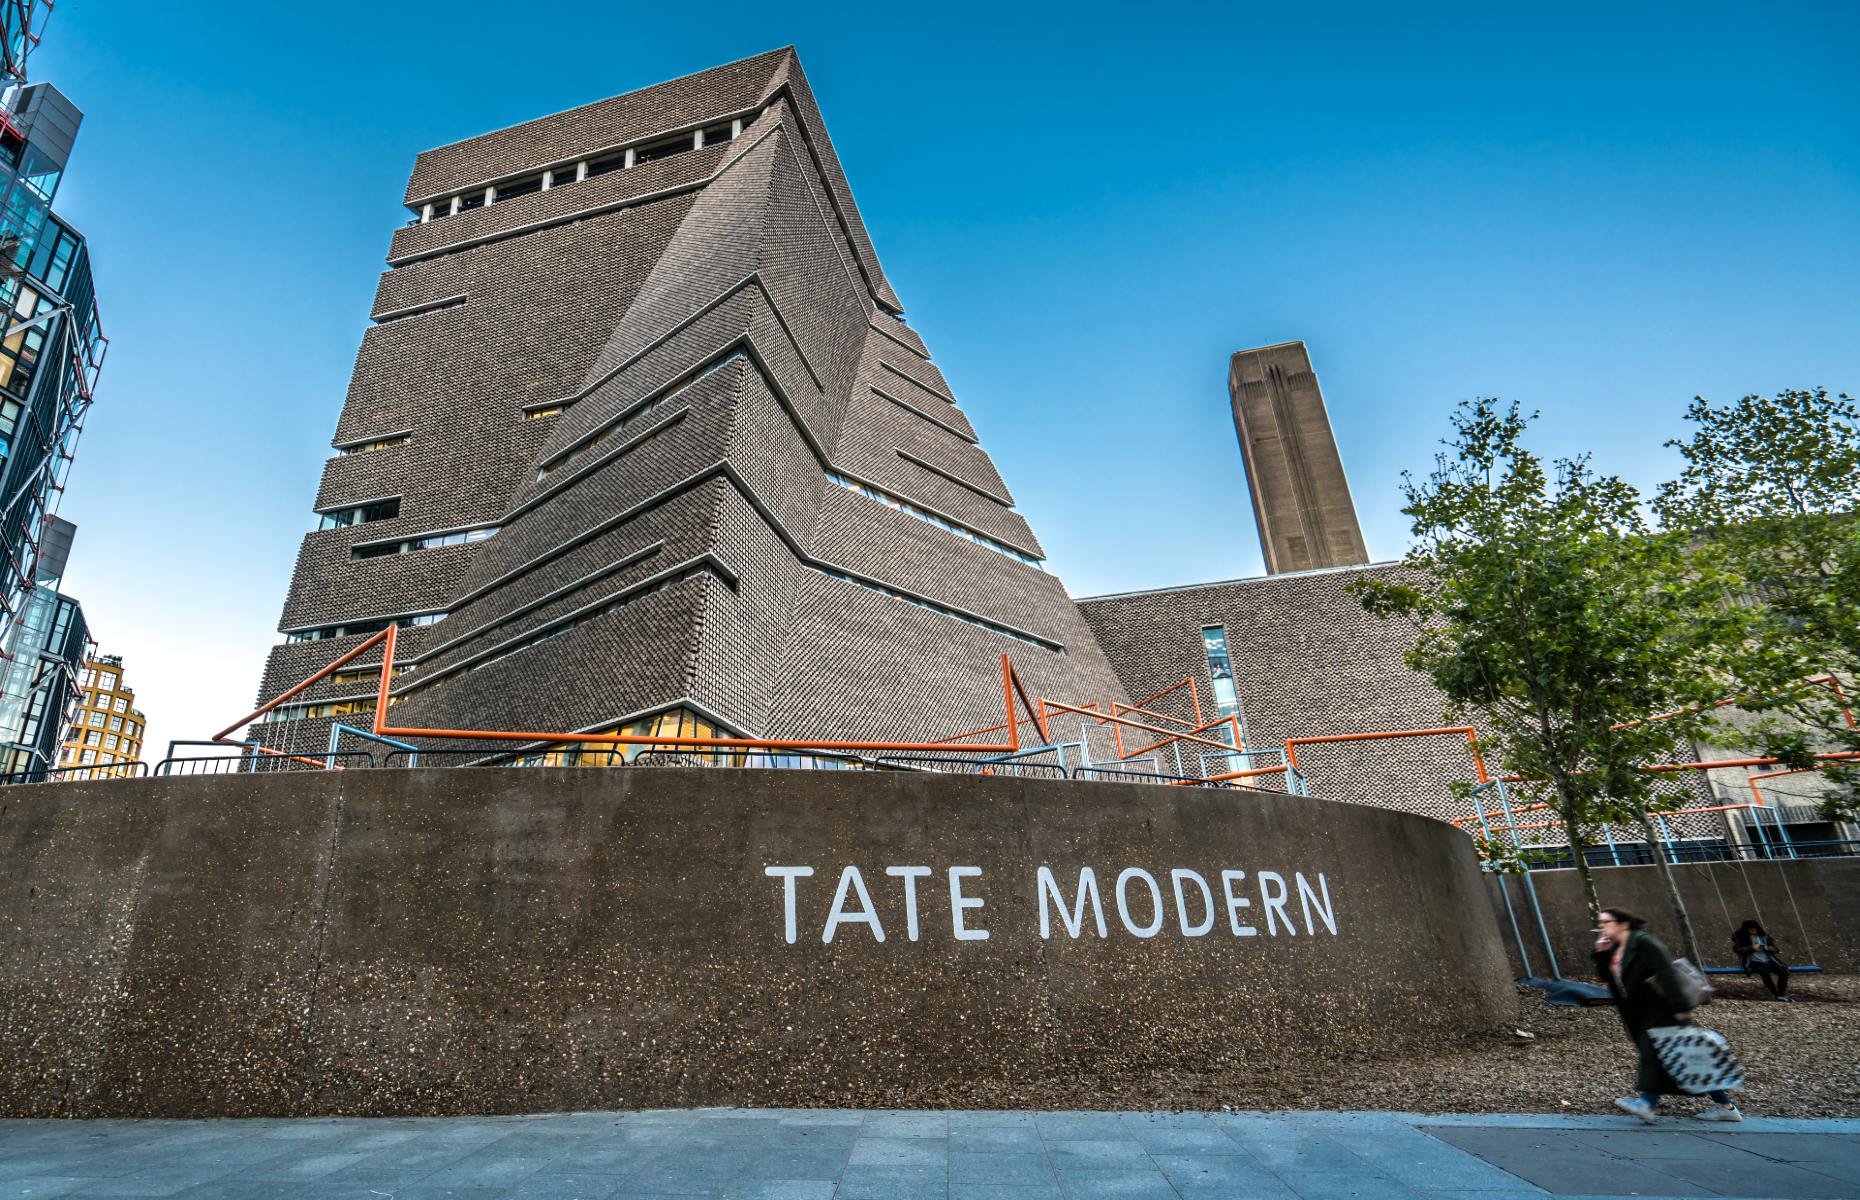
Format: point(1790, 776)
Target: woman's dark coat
point(1647, 998)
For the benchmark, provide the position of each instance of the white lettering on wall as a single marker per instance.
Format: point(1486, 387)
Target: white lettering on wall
point(1176, 876)
point(787, 876)
point(1272, 899)
point(866, 915)
point(910, 876)
point(1236, 902)
point(1306, 898)
point(1156, 901)
point(1197, 912)
point(1050, 894)
point(958, 902)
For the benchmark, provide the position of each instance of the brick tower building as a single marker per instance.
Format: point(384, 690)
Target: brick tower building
point(1300, 496)
point(639, 440)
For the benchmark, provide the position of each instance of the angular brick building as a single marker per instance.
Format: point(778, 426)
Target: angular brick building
point(639, 440)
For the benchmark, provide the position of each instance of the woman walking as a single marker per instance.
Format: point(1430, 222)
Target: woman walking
point(1639, 973)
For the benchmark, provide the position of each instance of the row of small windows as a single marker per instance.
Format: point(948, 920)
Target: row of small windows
point(551, 634)
point(104, 704)
point(380, 443)
point(371, 674)
point(99, 757)
point(606, 433)
point(924, 514)
point(109, 741)
point(630, 419)
point(457, 537)
point(360, 514)
point(325, 632)
point(91, 678)
point(329, 708)
point(587, 168)
point(934, 607)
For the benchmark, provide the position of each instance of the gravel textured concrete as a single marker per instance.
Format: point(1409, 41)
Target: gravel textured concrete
point(1800, 1060)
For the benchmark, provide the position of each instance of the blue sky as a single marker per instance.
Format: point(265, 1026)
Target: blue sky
point(1086, 209)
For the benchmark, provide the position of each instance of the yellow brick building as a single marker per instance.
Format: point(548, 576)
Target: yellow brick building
point(108, 728)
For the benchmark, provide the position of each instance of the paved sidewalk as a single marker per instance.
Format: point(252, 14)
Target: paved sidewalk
point(744, 1154)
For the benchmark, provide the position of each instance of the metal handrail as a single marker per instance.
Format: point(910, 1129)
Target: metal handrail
point(255, 764)
point(79, 773)
point(972, 766)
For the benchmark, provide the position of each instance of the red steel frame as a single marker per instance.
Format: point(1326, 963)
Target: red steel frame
point(1011, 690)
point(1037, 710)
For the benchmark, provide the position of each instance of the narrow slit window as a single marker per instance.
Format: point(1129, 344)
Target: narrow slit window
point(522, 187)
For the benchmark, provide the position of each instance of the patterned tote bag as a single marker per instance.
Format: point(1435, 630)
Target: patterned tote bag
point(1698, 1059)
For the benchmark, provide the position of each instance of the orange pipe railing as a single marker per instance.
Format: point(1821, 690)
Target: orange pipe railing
point(1471, 735)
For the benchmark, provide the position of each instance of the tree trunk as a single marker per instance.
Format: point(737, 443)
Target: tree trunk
point(1566, 807)
point(1688, 942)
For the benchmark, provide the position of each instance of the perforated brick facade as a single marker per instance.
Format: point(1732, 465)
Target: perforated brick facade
point(727, 357)
point(1309, 661)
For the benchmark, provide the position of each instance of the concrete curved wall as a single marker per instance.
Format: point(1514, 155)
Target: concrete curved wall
point(458, 941)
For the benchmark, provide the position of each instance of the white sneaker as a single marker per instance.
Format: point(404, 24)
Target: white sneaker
point(1719, 1112)
point(1635, 1106)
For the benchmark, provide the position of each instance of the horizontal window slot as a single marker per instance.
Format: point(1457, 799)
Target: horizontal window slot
point(584, 440)
point(561, 175)
point(428, 541)
point(958, 480)
point(368, 625)
point(556, 627)
point(543, 601)
point(957, 614)
point(380, 442)
point(916, 382)
point(418, 310)
point(384, 509)
point(934, 518)
point(918, 412)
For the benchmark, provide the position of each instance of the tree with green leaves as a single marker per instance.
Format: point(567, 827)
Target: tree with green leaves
point(1771, 486)
point(1555, 621)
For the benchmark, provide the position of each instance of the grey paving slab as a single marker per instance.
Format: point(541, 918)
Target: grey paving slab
point(1557, 1164)
point(1209, 1175)
point(1761, 1178)
point(1095, 1154)
point(1022, 1168)
point(781, 1189)
point(1792, 1147)
point(899, 1152)
point(890, 1181)
point(721, 1154)
point(1128, 1183)
point(797, 1163)
point(1005, 1191)
point(990, 1139)
point(906, 1125)
point(1348, 1185)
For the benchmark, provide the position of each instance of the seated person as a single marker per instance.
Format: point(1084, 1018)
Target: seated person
point(1756, 953)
